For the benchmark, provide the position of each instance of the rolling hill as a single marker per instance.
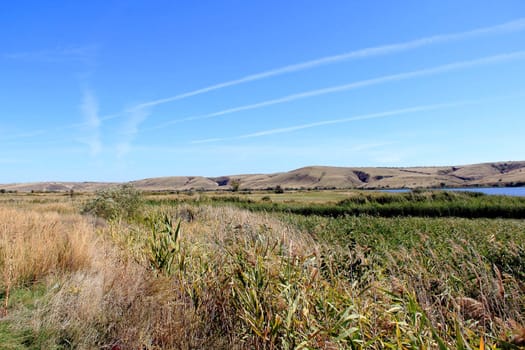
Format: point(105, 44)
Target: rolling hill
point(485, 174)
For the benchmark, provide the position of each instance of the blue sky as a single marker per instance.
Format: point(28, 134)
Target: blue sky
point(124, 90)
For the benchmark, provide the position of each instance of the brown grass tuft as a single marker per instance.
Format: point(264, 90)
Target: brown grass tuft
point(34, 245)
point(255, 280)
point(519, 336)
point(472, 309)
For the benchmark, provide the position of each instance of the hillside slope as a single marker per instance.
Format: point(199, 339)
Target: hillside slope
point(484, 174)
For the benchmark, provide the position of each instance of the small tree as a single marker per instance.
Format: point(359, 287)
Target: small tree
point(123, 201)
point(235, 184)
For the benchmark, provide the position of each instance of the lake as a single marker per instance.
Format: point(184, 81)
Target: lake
point(500, 191)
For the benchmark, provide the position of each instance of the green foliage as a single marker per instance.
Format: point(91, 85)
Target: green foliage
point(235, 184)
point(124, 201)
point(278, 189)
point(164, 246)
point(422, 204)
point(399, 278)
point(15, 336)
point(283, 303)
point(286, 281)
point(437, 259)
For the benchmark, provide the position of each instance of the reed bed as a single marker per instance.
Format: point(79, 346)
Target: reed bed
point(190, 276)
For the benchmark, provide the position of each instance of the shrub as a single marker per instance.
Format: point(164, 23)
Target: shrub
point(124, 201)
point(235, 184)
point(164, 246)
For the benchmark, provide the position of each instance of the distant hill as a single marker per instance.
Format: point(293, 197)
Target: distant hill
point(485, 174)
point(57, 186)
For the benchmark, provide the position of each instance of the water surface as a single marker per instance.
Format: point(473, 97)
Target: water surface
point(500, 191)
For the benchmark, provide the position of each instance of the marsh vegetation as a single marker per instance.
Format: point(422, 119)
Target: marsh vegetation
point(221, 271)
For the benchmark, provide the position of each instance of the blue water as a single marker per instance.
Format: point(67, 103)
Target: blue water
point(500, 191)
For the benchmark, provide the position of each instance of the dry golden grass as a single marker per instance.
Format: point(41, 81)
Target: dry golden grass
point(115, 299)
point(34, 245)
point(244, 280)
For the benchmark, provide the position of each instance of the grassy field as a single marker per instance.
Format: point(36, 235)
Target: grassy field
point(119, 270)
point(342, 203)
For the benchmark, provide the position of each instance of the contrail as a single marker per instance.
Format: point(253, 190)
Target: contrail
point(508, 27)
point(338, 121)
point(89, 108)
point(407, 110)
point(359, 84)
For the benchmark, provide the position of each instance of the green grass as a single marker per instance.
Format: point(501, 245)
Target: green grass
point(437, 262)
point(423, 204)
point(413, 254)
point(290, 275)
point(302, 196)
point(15, 335)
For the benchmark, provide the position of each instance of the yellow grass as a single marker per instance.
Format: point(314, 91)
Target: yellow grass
point(240, 280)
point(118, 300)
point(35, 244)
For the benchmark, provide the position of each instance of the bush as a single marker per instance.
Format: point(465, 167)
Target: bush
point(164, 246)
point(235, 184)
point(278, 189)
point(124, 201)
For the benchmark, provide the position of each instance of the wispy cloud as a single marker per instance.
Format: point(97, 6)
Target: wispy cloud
point(396, 112)
point(81, 54)
point(16, 136)
point(86, 54)
point(356, 85)
point(508, 27)
point(319, 149)
point(130, 129)
point(89, 108)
